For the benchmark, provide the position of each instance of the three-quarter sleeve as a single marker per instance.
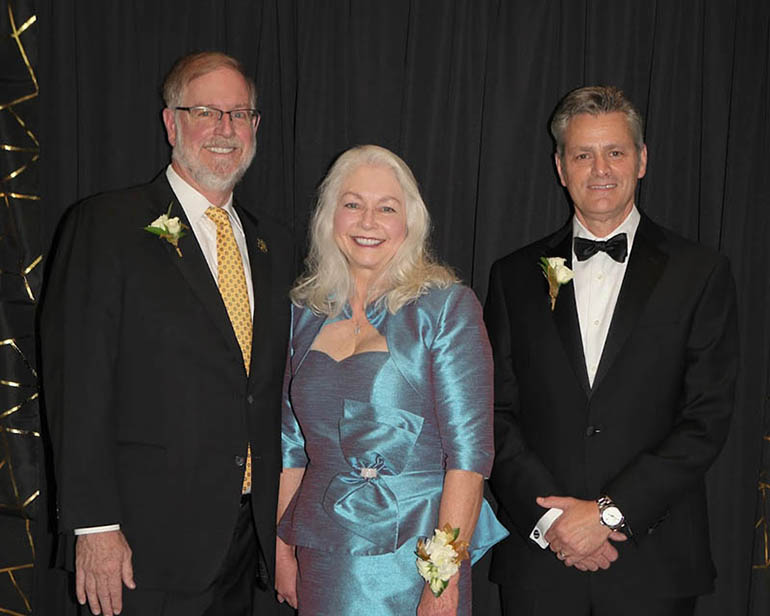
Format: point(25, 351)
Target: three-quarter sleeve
point(462, 379)
point(292, 442)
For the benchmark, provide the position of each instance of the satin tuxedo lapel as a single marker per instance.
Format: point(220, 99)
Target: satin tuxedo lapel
point(645, 266)
point(192, 264)
point(565, 312)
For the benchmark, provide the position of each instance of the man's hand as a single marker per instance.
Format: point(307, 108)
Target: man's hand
point(600, 559)
point(576, 533)
point(102, 565)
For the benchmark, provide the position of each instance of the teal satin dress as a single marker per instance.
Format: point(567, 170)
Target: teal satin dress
point(376, 433)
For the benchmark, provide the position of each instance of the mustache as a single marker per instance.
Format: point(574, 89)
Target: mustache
point(223, 142)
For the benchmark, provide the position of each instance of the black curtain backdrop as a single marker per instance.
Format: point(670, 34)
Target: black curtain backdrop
point(462, 90)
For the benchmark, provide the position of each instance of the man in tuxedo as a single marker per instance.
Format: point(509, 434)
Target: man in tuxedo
point(163, 353)
point(613, 389)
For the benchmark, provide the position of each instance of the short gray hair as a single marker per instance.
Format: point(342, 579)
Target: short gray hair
point(595, 100)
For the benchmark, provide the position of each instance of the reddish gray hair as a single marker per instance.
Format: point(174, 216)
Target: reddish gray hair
point(195, 65)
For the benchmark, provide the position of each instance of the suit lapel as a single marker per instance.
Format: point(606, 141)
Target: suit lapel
point(261, 278)
point(645, 266)
point(565, 312)
point(193, 265)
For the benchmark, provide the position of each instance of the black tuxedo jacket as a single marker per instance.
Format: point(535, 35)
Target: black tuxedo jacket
point(644, 434)
point(149, 405)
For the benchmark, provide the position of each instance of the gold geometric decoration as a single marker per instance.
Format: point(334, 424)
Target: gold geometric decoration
point(13, 578)
point(761, 528)
point(20, 279)
point(762, 541)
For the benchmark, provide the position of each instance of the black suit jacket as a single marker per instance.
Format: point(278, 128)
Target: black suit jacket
point(149, 405)
point(645, 433)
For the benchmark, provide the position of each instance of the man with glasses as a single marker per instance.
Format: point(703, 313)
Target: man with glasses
point(163, 339)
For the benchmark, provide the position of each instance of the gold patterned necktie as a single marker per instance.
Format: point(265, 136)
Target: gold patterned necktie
point(235, 295)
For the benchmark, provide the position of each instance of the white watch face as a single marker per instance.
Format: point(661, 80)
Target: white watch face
point(612, 516)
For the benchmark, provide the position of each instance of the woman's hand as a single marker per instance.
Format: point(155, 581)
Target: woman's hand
point(285, 558)
point(285, 573)
point(461, 501)
point(445, 605)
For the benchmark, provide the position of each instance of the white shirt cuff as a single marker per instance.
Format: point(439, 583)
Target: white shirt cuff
point(88, 530)
point(543, 524)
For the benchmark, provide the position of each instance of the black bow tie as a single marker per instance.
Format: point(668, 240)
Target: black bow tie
point(616, 247)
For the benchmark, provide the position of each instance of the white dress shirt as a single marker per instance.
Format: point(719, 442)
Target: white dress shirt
point(204, 229)
point(597, 285)
point(195, 205)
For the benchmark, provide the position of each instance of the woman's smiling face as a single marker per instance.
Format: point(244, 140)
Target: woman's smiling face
point(370, 219)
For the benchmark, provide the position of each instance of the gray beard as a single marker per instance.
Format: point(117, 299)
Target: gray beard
point(206, 177)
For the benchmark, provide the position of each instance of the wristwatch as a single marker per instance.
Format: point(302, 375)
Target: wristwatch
point(609, 514)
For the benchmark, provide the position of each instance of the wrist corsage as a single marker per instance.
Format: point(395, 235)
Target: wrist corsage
point(439, 558)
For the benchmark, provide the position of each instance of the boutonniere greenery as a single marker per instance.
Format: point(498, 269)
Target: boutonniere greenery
point(557, 274)
point(169, 229)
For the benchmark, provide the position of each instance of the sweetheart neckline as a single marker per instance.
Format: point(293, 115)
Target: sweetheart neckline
point(344, 359)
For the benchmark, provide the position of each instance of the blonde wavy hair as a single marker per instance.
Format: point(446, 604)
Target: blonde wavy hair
point(327, 283)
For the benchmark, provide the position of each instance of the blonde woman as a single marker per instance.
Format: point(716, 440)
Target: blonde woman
point(387, 420)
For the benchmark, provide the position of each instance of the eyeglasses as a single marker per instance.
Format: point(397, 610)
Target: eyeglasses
point(203, 115)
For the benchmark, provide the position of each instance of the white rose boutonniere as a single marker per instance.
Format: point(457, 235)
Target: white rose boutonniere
point(439, 558)
point(169, 229)
point(557, 274)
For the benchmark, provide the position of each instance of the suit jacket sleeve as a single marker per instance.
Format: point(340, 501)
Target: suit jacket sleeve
point(79, 325)
point(518, 476)
point(647, 487)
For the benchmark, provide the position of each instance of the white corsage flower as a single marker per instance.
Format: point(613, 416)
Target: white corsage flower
point(173, 225)
point(169, 229)
point(439, 558)
point(557, 274)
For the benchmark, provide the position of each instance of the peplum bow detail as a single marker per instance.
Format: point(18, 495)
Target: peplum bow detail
point(377, 441)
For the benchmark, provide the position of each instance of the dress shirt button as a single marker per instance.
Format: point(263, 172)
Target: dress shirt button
point(600, 276)
point(250, 399)
point(240, 461)
point(596, 322)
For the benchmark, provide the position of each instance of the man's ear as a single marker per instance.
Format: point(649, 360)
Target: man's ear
point(168, 122)
point(642, 163)
point(557, 159)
